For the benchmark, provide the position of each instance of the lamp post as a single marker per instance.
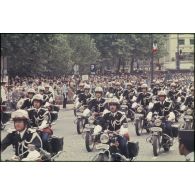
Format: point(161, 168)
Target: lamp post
point(177, 54)
point(152, 59)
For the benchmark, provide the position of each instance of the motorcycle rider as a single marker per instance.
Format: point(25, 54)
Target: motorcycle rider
point(40, 118)
point(156, 88)
point(186, 144)
point(21, 136)
point(115, 121)
point(84, 97)
point(48, 95)
point(189, 102)
point(130, 95)
point(172, 93)
point(27, 103)
point(144, 97)
point(118, 90)
point(96, 105)
point(164, 108)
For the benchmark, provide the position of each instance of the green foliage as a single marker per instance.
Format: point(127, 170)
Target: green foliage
point(30, 54)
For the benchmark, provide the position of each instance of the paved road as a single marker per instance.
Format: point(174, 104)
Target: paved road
point(74, 147)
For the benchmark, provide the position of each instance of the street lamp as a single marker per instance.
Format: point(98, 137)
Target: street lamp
point(177, 54)
point(152, 59)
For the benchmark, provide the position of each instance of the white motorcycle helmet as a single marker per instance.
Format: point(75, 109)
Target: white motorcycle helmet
point(20, 114)
point(98, 89)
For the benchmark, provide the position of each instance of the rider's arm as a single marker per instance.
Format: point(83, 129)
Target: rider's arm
point(7, 141)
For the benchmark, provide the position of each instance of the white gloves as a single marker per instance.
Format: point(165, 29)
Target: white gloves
point(171, 117)
point(97, 129)
point(149, 116)
point(134, 105)
point(86, 112)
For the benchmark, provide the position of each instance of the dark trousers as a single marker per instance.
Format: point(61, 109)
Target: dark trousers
point(64, 102)
point(46, 144)
point(123, 146)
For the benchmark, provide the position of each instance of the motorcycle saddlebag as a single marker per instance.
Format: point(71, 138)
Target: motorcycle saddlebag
point(133, 149)
point(54, 116)
point(56, 143)
point(56, 108)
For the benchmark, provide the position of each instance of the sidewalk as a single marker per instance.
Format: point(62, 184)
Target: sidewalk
point(68, 107)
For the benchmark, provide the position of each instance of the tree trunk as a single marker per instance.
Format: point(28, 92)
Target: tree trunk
point(132, 63)
point(119, 65)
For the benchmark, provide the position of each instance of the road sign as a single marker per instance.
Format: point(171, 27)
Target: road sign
point(76, 69)
point(93, 68)
point(85, 77)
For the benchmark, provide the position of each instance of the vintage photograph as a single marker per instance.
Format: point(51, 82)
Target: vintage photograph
point(97, 97)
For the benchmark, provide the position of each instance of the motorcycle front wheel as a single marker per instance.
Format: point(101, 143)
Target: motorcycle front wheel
point(138, 127)
point(101, 158)
point(156, 145)
point(79, 126)
point(89, 143)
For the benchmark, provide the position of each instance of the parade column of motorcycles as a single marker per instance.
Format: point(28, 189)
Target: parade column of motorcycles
point(165, 110)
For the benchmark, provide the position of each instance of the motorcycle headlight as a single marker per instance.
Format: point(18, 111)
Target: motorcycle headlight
point(139, 109)
point(81, 109)
point(91, 121)
point(104, 138)
point(124, 102)
point(157, 122)
point(189, 111)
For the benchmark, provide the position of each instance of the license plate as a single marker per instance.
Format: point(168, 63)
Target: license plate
point(156, 129)
point(102, 146)
point(155, 133)
point(188, 117)
point(137, 116)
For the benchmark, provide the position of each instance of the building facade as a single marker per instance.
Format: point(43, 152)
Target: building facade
point(184, 43)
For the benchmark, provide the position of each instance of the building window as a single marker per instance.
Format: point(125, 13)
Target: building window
point(191, 41)
point(181, 41)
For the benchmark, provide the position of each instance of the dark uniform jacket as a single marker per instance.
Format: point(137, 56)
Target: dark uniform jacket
point(144, 99)
point(128, 94)
point(27, 104)
point(118, 92)
point(37, 116)
point(21, 144)
point(113, 122)
point(189, 102)
point(156, 90)
point(83, 98)
point(96, 105)
point(163, 109)
point(47, 96)
point(172, 95)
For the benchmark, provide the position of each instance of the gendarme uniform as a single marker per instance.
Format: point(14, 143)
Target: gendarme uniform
point(113, 121)
point(21, 140)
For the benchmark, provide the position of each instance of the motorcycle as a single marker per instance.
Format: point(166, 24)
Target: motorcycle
point(188, 119)
point(36, 155)
point(124, 107)
point(80, 120)
point(139, 120)
point(5, 116)
point(158, 139)
point(89, 137)
point(109, 151)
